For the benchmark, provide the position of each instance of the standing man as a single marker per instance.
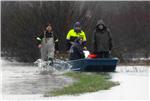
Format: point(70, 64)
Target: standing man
point(75, 33)
point(102, 40)
point(48, 43)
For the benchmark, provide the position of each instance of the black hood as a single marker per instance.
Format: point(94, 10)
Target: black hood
point(99, 22)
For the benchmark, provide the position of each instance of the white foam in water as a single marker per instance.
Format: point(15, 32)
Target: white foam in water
point(58, 67)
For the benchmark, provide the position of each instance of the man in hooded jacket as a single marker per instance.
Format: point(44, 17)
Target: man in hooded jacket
point(76, 51)
point(101, 40)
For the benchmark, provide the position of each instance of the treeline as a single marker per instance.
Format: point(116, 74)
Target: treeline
point(21, 21)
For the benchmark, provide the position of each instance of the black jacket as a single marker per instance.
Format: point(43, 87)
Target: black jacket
point(76, 52)
point(102, 39)
point(48, 35)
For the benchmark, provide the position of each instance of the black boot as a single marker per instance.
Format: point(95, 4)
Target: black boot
point(51, 61)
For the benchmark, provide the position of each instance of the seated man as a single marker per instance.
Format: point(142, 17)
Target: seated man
point(76, 51)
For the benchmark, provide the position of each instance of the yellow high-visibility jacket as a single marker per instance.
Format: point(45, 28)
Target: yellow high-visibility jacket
point(72, 35)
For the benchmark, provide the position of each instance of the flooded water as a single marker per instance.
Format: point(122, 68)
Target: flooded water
point(24, 82)
point(134, 85)
point(19, 78)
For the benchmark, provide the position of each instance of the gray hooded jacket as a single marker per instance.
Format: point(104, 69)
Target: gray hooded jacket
point(102, 39)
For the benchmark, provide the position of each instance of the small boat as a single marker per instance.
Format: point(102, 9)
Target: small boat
point(94, 65)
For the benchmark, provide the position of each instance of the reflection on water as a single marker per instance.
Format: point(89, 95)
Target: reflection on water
point(132, 69)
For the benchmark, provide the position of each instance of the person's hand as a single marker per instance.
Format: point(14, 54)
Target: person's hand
point(72, 43)
point(68, 51)
point(39, 46)
point(57, 52)
point(110, 52)
point(84, 48)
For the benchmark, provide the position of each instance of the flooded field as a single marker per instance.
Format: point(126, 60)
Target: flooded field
point(26, 79)
point(21, 81)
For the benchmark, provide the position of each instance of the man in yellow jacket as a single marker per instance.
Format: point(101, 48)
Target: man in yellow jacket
point(75, 33)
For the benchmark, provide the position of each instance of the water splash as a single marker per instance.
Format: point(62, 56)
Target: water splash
point(21, 78)
point(59, 66)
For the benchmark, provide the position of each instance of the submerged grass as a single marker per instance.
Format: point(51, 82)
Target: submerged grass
point(86, 82)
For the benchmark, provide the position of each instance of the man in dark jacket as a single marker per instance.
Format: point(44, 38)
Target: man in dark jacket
point(48, 44)
point(102, 40)
point(76, 50)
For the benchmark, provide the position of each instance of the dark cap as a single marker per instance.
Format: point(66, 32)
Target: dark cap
point(77, 24)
